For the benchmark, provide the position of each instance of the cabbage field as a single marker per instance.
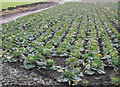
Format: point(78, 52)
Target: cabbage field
point(84, 34)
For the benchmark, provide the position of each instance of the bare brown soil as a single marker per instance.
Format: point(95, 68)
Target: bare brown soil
point(9, 15)
point(14, 75)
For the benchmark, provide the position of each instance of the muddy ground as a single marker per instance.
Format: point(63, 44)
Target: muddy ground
point(14, 74)
point(20, 11)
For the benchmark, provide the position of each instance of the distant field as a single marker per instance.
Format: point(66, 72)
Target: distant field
point(6, 4)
